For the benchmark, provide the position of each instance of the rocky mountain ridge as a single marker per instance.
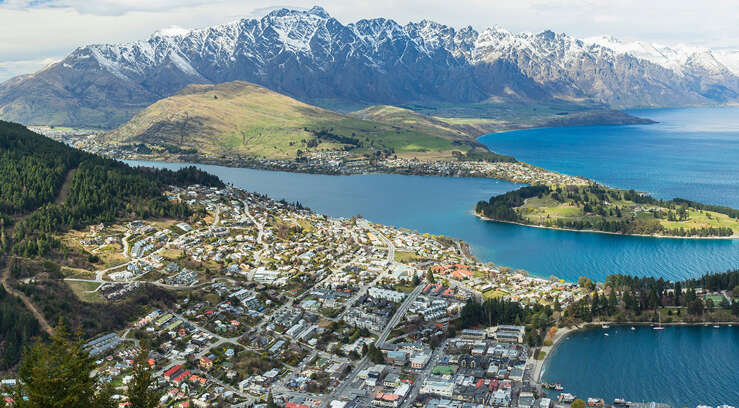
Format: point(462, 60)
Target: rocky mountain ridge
point(315, 58)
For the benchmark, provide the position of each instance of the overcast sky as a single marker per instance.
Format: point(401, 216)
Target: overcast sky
point(34, 33)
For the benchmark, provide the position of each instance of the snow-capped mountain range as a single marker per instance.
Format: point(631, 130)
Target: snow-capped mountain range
point(314, 57)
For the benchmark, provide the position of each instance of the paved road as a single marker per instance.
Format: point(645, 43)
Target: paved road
point(399, 314)
point(421, 377)
point(364, 363)
point(363, 290)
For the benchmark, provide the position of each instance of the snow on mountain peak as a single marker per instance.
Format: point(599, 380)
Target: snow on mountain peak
point(311, 40)
point(172, 31)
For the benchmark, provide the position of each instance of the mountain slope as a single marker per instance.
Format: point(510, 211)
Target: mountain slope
point(409, 119)
point(240, 118)
point(315, 58)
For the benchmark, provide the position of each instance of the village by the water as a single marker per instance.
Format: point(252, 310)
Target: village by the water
point(276, 304)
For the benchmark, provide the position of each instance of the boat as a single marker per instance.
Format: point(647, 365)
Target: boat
point(558, 387)
point(566, 398)
point(605, 326)
point(605, 334)
point(659, 325)
point(715, 326)
point(633, 328)
point(619, 401)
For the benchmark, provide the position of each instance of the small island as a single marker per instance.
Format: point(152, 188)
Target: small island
point(594, 207)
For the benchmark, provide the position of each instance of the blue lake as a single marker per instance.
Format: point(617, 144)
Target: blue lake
point(691, 153)
point(681, 366)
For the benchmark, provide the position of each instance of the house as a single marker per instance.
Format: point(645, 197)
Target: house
point(502, 397)
point(420, 360)
point(473, 334)
point(507, 334)
point(526, 400)
point(206, 363)
point(441, 388)
point(175, 370)
point(398, 358)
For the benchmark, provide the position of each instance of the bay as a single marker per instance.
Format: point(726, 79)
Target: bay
point(681, 366)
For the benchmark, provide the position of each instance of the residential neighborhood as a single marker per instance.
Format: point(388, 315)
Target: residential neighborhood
point(275, 302)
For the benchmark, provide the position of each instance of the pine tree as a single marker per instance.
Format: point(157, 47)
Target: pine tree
point(58, 374)
point(612, 302)
point(141, 394)
point(430, 277)
point(678, 291)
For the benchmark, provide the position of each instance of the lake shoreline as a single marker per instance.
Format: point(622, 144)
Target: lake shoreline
point(484, 218)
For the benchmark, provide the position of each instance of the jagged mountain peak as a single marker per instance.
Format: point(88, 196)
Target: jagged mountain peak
point(312, 56)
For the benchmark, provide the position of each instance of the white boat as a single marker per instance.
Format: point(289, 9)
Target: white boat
point(659, 325)
point(715, 326)
point(633, 328)
point(605, 326)
point(566, 398)
point(605, 334)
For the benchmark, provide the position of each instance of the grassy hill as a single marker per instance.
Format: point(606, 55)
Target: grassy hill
point(240, 118)
point(409, 119)
point(599, 208)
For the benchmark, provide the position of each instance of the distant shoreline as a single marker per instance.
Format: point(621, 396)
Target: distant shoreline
point(484, 218)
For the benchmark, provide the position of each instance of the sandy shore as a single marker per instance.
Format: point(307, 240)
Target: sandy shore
point(482, 217)
point(562, 332)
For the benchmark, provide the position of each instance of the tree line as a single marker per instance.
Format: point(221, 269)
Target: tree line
point(633, 294)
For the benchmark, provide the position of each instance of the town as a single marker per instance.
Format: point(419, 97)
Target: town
point(275, 302)
point(321, 162)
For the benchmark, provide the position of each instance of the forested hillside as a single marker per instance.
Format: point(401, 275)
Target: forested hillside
point(49, 187)
point(46, 188)
point(17, 328)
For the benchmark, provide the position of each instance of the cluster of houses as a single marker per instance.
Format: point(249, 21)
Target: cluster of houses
point(312, 294)
point(480, 370)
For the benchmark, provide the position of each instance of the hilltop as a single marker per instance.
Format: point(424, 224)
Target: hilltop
point(241, 119)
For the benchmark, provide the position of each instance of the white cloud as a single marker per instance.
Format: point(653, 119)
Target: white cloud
point(9, 69)
point(36, 29)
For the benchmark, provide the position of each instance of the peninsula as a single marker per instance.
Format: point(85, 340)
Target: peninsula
point(597, 208)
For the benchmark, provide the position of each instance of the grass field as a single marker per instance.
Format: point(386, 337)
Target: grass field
point(83, 291)
point(406, 257)
point(493, 294)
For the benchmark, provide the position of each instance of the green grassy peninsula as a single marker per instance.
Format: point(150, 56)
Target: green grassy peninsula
point(594, 207)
